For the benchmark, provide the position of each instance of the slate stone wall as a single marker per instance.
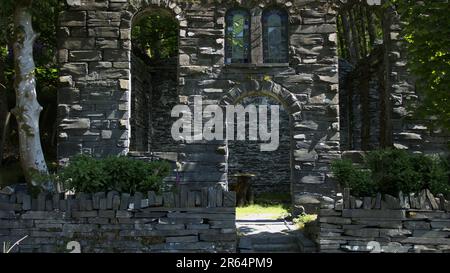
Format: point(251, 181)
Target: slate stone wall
point(272, 169)
point(164, 98)
point(189, 221)
point(403, 224)
point(307, 89)
point(96, 106)
point(141, 106)
point(362, 116)
point(153, 95)
point(403, 131)
point(95, 52)
point(374, 97)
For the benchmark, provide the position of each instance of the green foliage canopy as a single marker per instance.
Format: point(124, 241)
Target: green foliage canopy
point(427, 33)
point(44, 20)
point(156, 34)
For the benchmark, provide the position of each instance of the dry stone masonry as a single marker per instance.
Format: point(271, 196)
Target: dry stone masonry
point(102, 104)
point(404, 224)
point(371, 116)
point(153, 96)
point(95, 98)
point(271, 169)
point(114, 102)
point(187, 221)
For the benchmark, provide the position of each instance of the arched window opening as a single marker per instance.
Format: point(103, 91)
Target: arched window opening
point(275, 36)
point(156, 35)
point(237, 36)
point(154, 80)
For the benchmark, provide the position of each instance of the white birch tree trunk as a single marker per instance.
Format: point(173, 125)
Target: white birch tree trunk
point(27, 110)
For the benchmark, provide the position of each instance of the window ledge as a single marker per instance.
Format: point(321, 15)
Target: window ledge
point(263, 65)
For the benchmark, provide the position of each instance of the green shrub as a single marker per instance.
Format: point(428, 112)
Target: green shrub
point(440, 176)
point(394, 171)
point(391, 171)
point(84, 174)
point(349, 176)
point(398, 170)
point(87, 174)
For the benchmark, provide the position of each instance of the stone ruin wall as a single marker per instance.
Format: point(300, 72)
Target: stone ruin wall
point(94, 98)
point(365, 111)
point(165, 97)
point(362, 116)
point(153, 95)
point(305, 83)
point(272, 169)
point(404, 224)
point(141, 108)
point(95, 104)
point(187, 221)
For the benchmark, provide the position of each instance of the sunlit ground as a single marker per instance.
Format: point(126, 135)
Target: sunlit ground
point(302, 220)
point(270, 212)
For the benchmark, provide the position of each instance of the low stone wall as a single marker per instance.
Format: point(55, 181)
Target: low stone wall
point(186, 221)
point(385, 224)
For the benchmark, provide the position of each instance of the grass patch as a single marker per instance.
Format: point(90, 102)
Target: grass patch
point(304, 219)
point(272, 212)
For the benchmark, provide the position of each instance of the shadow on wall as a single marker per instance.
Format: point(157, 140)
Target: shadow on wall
point(271, 169)
point(154, 83)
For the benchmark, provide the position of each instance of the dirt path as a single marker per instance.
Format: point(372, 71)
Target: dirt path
point(259, 233)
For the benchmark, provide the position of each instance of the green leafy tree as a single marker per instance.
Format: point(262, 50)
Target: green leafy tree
point(427, 33)
point(156, 34)
point(21, 48)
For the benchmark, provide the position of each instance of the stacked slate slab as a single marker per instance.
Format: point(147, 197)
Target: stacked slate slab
point(120, 222)
point(403, 224)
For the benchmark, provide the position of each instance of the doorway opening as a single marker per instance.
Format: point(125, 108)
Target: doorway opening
point(268, 173)
point(154, 80)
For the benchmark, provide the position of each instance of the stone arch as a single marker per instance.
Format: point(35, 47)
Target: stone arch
point(290, 10)
point(139, 8)
point(265, 88)
point(290, 103)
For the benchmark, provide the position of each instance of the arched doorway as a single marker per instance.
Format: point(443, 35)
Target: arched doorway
point(264, 227)
point(154, 79)
point(271, 169)
point(271, 93)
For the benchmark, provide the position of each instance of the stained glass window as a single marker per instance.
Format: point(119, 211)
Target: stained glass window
point(237, 36)
point(275, 36)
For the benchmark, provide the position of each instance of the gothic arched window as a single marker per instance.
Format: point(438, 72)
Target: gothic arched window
point(237, 33)
point(275, 24)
